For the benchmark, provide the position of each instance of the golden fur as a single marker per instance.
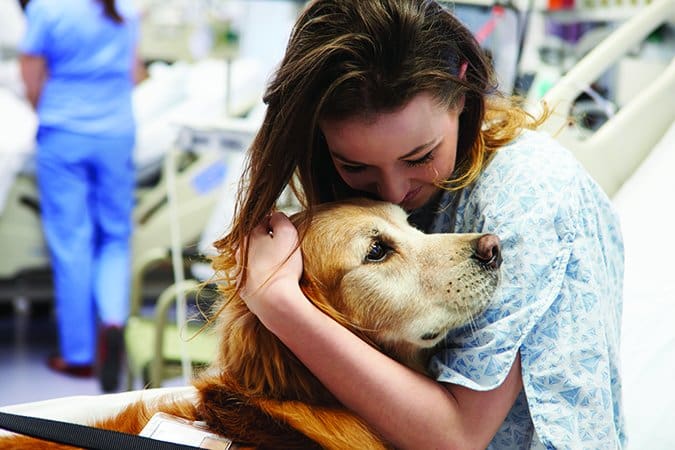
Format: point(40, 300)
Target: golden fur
point(392, 285)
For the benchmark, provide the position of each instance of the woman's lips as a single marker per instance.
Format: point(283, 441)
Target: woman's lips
point(411, 195)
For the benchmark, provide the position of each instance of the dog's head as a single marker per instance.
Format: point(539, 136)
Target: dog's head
point(401, 288)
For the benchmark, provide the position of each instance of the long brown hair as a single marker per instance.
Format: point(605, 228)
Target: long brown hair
point(110, 10)
point(348, 58)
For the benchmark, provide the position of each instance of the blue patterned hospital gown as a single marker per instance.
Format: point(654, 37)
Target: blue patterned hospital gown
point(559, 301)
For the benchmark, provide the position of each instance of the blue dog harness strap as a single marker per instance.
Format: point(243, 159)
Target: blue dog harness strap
point(82, 435)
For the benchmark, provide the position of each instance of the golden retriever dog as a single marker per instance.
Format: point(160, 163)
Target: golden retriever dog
point(395, 287)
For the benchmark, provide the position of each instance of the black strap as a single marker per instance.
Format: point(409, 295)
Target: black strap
point(82, 435)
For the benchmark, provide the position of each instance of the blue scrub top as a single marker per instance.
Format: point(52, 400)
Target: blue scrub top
point(89, 61)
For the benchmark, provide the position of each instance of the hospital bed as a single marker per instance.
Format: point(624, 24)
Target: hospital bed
point(637, 173)
point(611, 154)
point(171, 98)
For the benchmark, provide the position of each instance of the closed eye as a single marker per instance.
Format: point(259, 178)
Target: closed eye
point(378, 252)
point(425, 159)
point(353, 169)
point(428, 157)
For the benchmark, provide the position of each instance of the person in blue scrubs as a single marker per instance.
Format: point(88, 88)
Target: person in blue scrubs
point(78, 60)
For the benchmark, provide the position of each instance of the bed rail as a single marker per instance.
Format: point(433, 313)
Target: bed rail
point(611, 154)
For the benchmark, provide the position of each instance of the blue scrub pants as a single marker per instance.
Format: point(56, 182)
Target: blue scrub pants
point(86, 186)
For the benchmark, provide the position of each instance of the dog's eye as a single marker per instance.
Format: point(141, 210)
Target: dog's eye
point(378, 251)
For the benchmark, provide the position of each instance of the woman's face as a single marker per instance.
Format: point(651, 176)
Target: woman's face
point(396, 156)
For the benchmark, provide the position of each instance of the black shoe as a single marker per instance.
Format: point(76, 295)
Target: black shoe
point(110, 347)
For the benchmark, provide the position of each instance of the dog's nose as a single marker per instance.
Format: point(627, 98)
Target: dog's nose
point(488, 252)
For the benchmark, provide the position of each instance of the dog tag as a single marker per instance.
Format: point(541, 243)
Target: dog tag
point(168, 428)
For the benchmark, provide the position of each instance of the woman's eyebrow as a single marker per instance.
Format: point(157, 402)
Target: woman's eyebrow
point(411, 153)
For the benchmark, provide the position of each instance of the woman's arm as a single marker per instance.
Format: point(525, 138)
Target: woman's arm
point(408, 409)
point(34, 74)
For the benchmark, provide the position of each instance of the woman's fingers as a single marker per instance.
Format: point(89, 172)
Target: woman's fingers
point(273, 269)
point(275, 226)
point(278, 222)
point(263, 227)
point(272, 252)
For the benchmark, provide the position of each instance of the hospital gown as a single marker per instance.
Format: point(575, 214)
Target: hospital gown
point(559, 301)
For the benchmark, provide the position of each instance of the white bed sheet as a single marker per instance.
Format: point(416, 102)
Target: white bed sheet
point(18, 124)
point(84, 409)
point(645, 206)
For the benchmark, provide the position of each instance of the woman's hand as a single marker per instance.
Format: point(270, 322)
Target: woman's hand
point(274, 268)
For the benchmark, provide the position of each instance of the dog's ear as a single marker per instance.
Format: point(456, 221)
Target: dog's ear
point(315, 293)
point(318, 295)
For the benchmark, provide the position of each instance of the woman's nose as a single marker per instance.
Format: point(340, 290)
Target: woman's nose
point(392, 189)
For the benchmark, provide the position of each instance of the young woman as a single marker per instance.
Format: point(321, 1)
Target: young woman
point(78, 64)
point(394, 99)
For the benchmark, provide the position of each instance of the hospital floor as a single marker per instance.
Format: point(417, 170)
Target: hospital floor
point(27, 337)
